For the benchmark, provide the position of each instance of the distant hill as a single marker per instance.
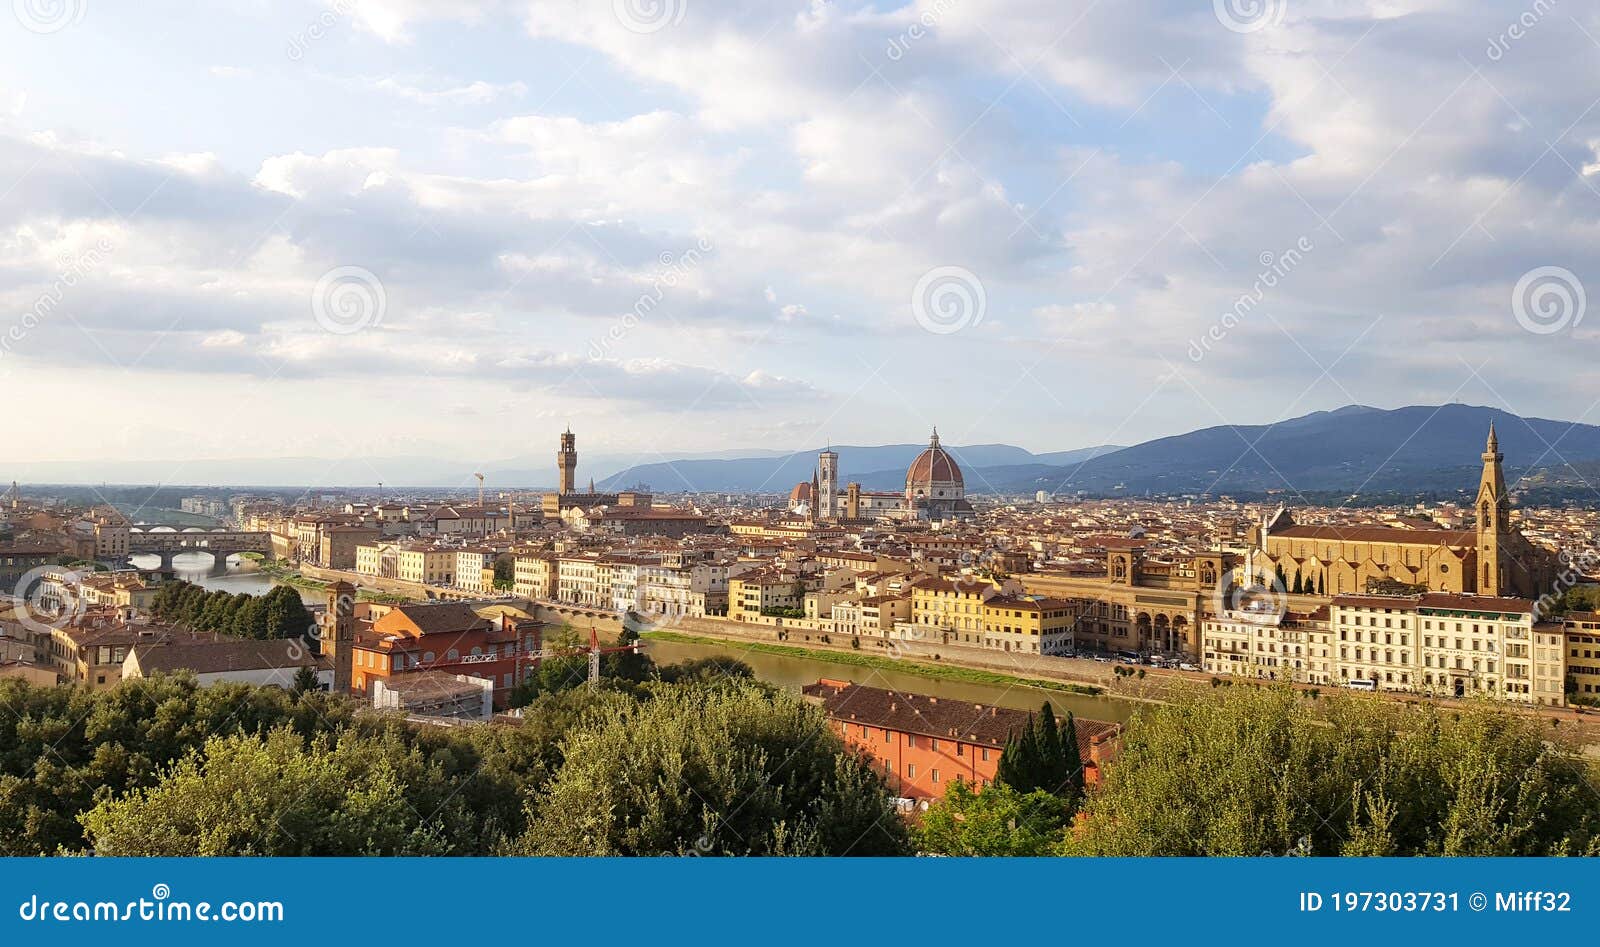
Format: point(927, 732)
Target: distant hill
point(875, 468)
point(1356, 448)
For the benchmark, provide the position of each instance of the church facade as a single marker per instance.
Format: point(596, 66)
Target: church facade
point(1492, 559)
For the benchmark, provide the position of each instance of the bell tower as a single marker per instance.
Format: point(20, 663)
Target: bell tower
point(339, 633)
point(567, 464)
point(1494, 519)
point(827, 497)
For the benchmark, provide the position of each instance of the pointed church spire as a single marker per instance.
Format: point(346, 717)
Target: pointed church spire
point(1493, 447)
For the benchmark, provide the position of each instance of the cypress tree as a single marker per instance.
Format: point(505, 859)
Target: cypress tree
point(1072, 761)
point(1051, 773)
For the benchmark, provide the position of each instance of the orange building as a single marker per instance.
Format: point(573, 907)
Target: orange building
point(448, 636)
point(921, 743)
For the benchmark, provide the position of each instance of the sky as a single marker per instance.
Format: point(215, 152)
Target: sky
point(445, 228)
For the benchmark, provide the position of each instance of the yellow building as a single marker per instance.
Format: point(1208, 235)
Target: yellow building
point(1582, 659)
point(951, 609)
point(430, 565)
point(535, 576)
point(1031, 624)
point(765, 592)
point(1136, 603)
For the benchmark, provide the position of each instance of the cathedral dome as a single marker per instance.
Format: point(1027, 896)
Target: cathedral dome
point(934, 465)
point(800, 494)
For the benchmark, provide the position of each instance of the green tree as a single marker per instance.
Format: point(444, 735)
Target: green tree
point(996, 821)
point(305, 680)
point(62, 749)
point(247, 795)
point(1259, 770)
point(1044, 756)
point(726, 770)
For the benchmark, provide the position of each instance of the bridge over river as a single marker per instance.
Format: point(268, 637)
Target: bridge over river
point(220, 543)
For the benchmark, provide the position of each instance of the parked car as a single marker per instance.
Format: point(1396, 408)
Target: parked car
point(1186, 666)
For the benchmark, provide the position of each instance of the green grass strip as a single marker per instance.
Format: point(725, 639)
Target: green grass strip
point(936, 671)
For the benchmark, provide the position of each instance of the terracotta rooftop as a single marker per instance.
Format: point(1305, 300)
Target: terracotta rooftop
point(941, 718)
point(1382, 534)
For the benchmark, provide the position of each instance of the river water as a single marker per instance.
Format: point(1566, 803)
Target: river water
point(791, 673)
point(242, 575)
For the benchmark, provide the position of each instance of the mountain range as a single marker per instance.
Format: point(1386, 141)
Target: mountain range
point(1355, 449)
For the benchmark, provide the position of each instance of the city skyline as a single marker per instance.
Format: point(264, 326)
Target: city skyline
point(1028, 224)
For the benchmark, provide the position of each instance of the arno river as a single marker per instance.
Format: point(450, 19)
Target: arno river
point(243, 575)
point(786, 671)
